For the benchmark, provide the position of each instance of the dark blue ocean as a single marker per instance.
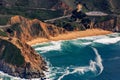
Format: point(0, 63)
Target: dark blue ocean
point(89, 58)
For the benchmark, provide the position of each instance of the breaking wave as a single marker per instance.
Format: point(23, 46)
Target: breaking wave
point(108, 40)
point(53, 46)
point(92, 67)
point(95, 65)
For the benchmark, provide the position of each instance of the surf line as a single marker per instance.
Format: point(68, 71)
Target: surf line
point(91, 67)
point(98, 60)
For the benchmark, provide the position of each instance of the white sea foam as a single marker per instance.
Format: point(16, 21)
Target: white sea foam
point(12, 78)
point(67, 72)
point(48, 74)
point(92, 66)
point(94, 37)
point(108, 40)
point(104, 39)
point(98, 60)
point(54, 46)
point(114, 34)
point(87, 43)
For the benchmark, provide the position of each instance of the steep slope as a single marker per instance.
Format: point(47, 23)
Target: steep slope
point(114, 6)
point(47, 9)
point(63, 6)
point(26, 30)
point(48, 4)
point(32, 3)
point(20, 60)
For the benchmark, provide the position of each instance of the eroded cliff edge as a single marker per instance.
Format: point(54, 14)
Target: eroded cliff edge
point(26, 30)
point(20, 60)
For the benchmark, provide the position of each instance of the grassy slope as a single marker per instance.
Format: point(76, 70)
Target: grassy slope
point(11, 54)
point(2, 33)
point(100, 5)
point(103, 5)
point(115, 6)
point(39, 14)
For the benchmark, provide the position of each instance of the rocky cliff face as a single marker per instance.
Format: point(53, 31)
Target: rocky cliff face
point(20, 60)
point(26, 30)
point(111, 25)
point(106, 25)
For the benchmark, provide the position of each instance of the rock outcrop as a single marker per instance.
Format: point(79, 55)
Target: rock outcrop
point(20, 60)
point(110, 25)
point(26, 30)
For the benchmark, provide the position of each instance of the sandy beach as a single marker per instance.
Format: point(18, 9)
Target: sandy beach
point(71, 35)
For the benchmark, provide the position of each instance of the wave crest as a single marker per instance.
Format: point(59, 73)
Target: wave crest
point(92, 67)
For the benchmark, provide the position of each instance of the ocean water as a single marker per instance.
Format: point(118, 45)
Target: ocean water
point(89, 58)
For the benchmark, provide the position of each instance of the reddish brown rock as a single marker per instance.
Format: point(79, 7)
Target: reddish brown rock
point(26, 30)
point(20, 60)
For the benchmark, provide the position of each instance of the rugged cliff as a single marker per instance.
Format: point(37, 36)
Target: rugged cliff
point(20, 60)
point(112, 24)
point(26, 30)
point(16, 57)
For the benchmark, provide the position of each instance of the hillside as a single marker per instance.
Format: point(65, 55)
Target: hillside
point(46, 9)
point(20, 60)
point(25, 62)
point(26, 30)
point(48, 4)
point(26, 20)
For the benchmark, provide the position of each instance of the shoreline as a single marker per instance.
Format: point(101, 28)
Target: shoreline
point(71, 35)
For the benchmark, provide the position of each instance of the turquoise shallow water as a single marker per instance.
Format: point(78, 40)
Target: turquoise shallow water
point(90, 58)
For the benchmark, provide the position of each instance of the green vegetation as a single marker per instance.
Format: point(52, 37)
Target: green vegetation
point(43, 14)
point(22, 3)
point(30, 13)
point(101, 18)
point(102, 5)
point(16, 27)
point(4, 20)
point(12, 54)
point(115, 6)
point(70, 26)
point(2, 33)
point(65, 23)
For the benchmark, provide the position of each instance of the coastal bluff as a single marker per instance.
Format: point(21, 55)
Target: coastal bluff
point(17, 58)
point(20, 60)
point(26, 29)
